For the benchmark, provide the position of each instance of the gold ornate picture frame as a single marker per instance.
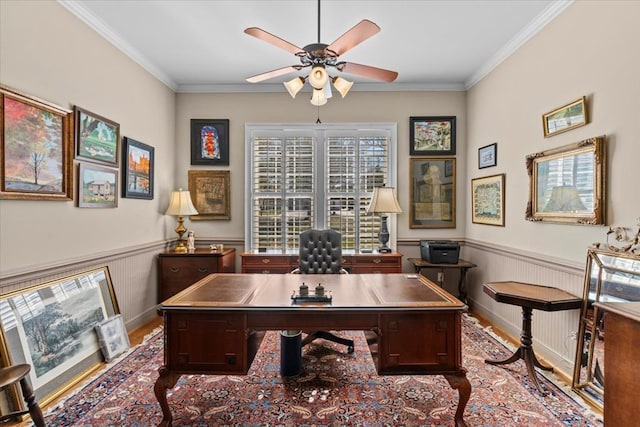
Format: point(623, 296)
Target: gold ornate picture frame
point(565, 118)
point(568, 184)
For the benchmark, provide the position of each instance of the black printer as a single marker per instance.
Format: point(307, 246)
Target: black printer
point(439, 251)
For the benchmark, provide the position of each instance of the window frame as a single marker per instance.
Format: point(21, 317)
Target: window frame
point(320, 134)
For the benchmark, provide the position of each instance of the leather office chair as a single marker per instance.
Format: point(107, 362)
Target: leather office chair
point(321, 253)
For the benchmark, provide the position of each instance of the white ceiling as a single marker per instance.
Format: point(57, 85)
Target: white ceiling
point(200, 46)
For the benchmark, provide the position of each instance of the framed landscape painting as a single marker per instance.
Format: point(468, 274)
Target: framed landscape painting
point(36, 148)
point(96, 137)
point(210, 142)
point(50, 326)
point(137, 169)
point(565, 118)
point(432, 135)
point(97, 186)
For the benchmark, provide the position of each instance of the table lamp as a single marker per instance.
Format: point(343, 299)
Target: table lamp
point(383, 202)
point(181, 205)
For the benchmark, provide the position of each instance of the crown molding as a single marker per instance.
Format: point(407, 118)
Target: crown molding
point(546, 16)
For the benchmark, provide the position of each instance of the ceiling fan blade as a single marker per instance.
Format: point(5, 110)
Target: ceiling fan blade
point(353, 37)
point(368, 71)
point(274, 40)
point(273, 73)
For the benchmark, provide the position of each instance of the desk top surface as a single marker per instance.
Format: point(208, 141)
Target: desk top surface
point(348, 291)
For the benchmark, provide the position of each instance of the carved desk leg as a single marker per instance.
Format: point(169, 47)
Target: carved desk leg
point(165, 381)
point(460, 382)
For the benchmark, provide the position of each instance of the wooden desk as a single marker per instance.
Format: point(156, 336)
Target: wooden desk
point(208, 327)
point(354, 262)
point(462, 265)
point(621, 374)
point(530, 297)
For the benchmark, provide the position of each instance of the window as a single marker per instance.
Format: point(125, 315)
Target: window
point(304, 176)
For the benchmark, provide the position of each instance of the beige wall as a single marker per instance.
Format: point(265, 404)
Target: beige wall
point(591, 49)
point(244, 108)
point(47, 52)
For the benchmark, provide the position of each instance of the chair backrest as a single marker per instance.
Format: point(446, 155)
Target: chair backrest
point(320, 252)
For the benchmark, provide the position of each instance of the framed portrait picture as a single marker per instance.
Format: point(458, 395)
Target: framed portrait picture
point(210, 194)
point(50, 326)
point(97, 186)
point(210, 142)
point(112, 337)
point(565, 118)
point(96, 137)
point(137, 169)
point(432, 135)
point(36, 148)
point(433, 192)
point(487, 200)
point(488, 156)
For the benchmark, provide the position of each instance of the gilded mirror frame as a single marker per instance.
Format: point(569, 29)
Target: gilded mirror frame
point(568, 184)
point(610, 276)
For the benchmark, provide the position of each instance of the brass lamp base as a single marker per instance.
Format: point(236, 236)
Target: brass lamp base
point(180, 248)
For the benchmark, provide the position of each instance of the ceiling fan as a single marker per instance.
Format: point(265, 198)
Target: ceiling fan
point(320, 56)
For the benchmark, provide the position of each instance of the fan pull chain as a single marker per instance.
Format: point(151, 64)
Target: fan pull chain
point(318, 122)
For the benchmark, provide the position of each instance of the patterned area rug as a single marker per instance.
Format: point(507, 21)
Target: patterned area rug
point(335, 389)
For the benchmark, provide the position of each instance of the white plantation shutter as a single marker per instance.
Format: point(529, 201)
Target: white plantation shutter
point(306, 177)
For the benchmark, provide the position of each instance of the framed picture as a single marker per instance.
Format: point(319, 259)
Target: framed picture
point(567, 184)
point(36, 148)
point(137, 169)
point(97, 186)
point(210, 142)
point(50, 326)
point(112, 337)
point(210, 194)
point(96, 137)
point(433, 192)
point(487, 200)
point(565, 118)
point(488, 156)
point(432, 135)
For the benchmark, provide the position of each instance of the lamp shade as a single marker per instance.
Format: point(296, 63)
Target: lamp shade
point(293, 86)
point(343, 86)
point(180, 204)
point(318, 98)
point(318, 77)
point(384, 200)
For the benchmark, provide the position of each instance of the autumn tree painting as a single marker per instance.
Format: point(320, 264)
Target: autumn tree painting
point(35, 149)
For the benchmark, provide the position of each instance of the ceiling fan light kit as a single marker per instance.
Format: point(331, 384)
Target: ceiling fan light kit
point(319, 57)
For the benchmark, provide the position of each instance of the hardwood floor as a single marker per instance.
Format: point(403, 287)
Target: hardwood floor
point(135, 337)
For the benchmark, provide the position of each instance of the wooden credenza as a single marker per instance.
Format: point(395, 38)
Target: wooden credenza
point(353, 262)
point(179, 271)
point(621, 374)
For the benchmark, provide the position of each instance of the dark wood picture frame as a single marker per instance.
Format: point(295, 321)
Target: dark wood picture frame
point(488, 156)
point(210, 142)
point(137, 169)
point(210, 194)
point(434, 135)
point(32, 130)
point(433, 192)
point(97, 138)
point(97, 186)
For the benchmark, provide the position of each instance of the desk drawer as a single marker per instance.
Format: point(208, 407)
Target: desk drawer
point(259, 263)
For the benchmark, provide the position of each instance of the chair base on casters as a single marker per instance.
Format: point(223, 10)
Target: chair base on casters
point(329, 337)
